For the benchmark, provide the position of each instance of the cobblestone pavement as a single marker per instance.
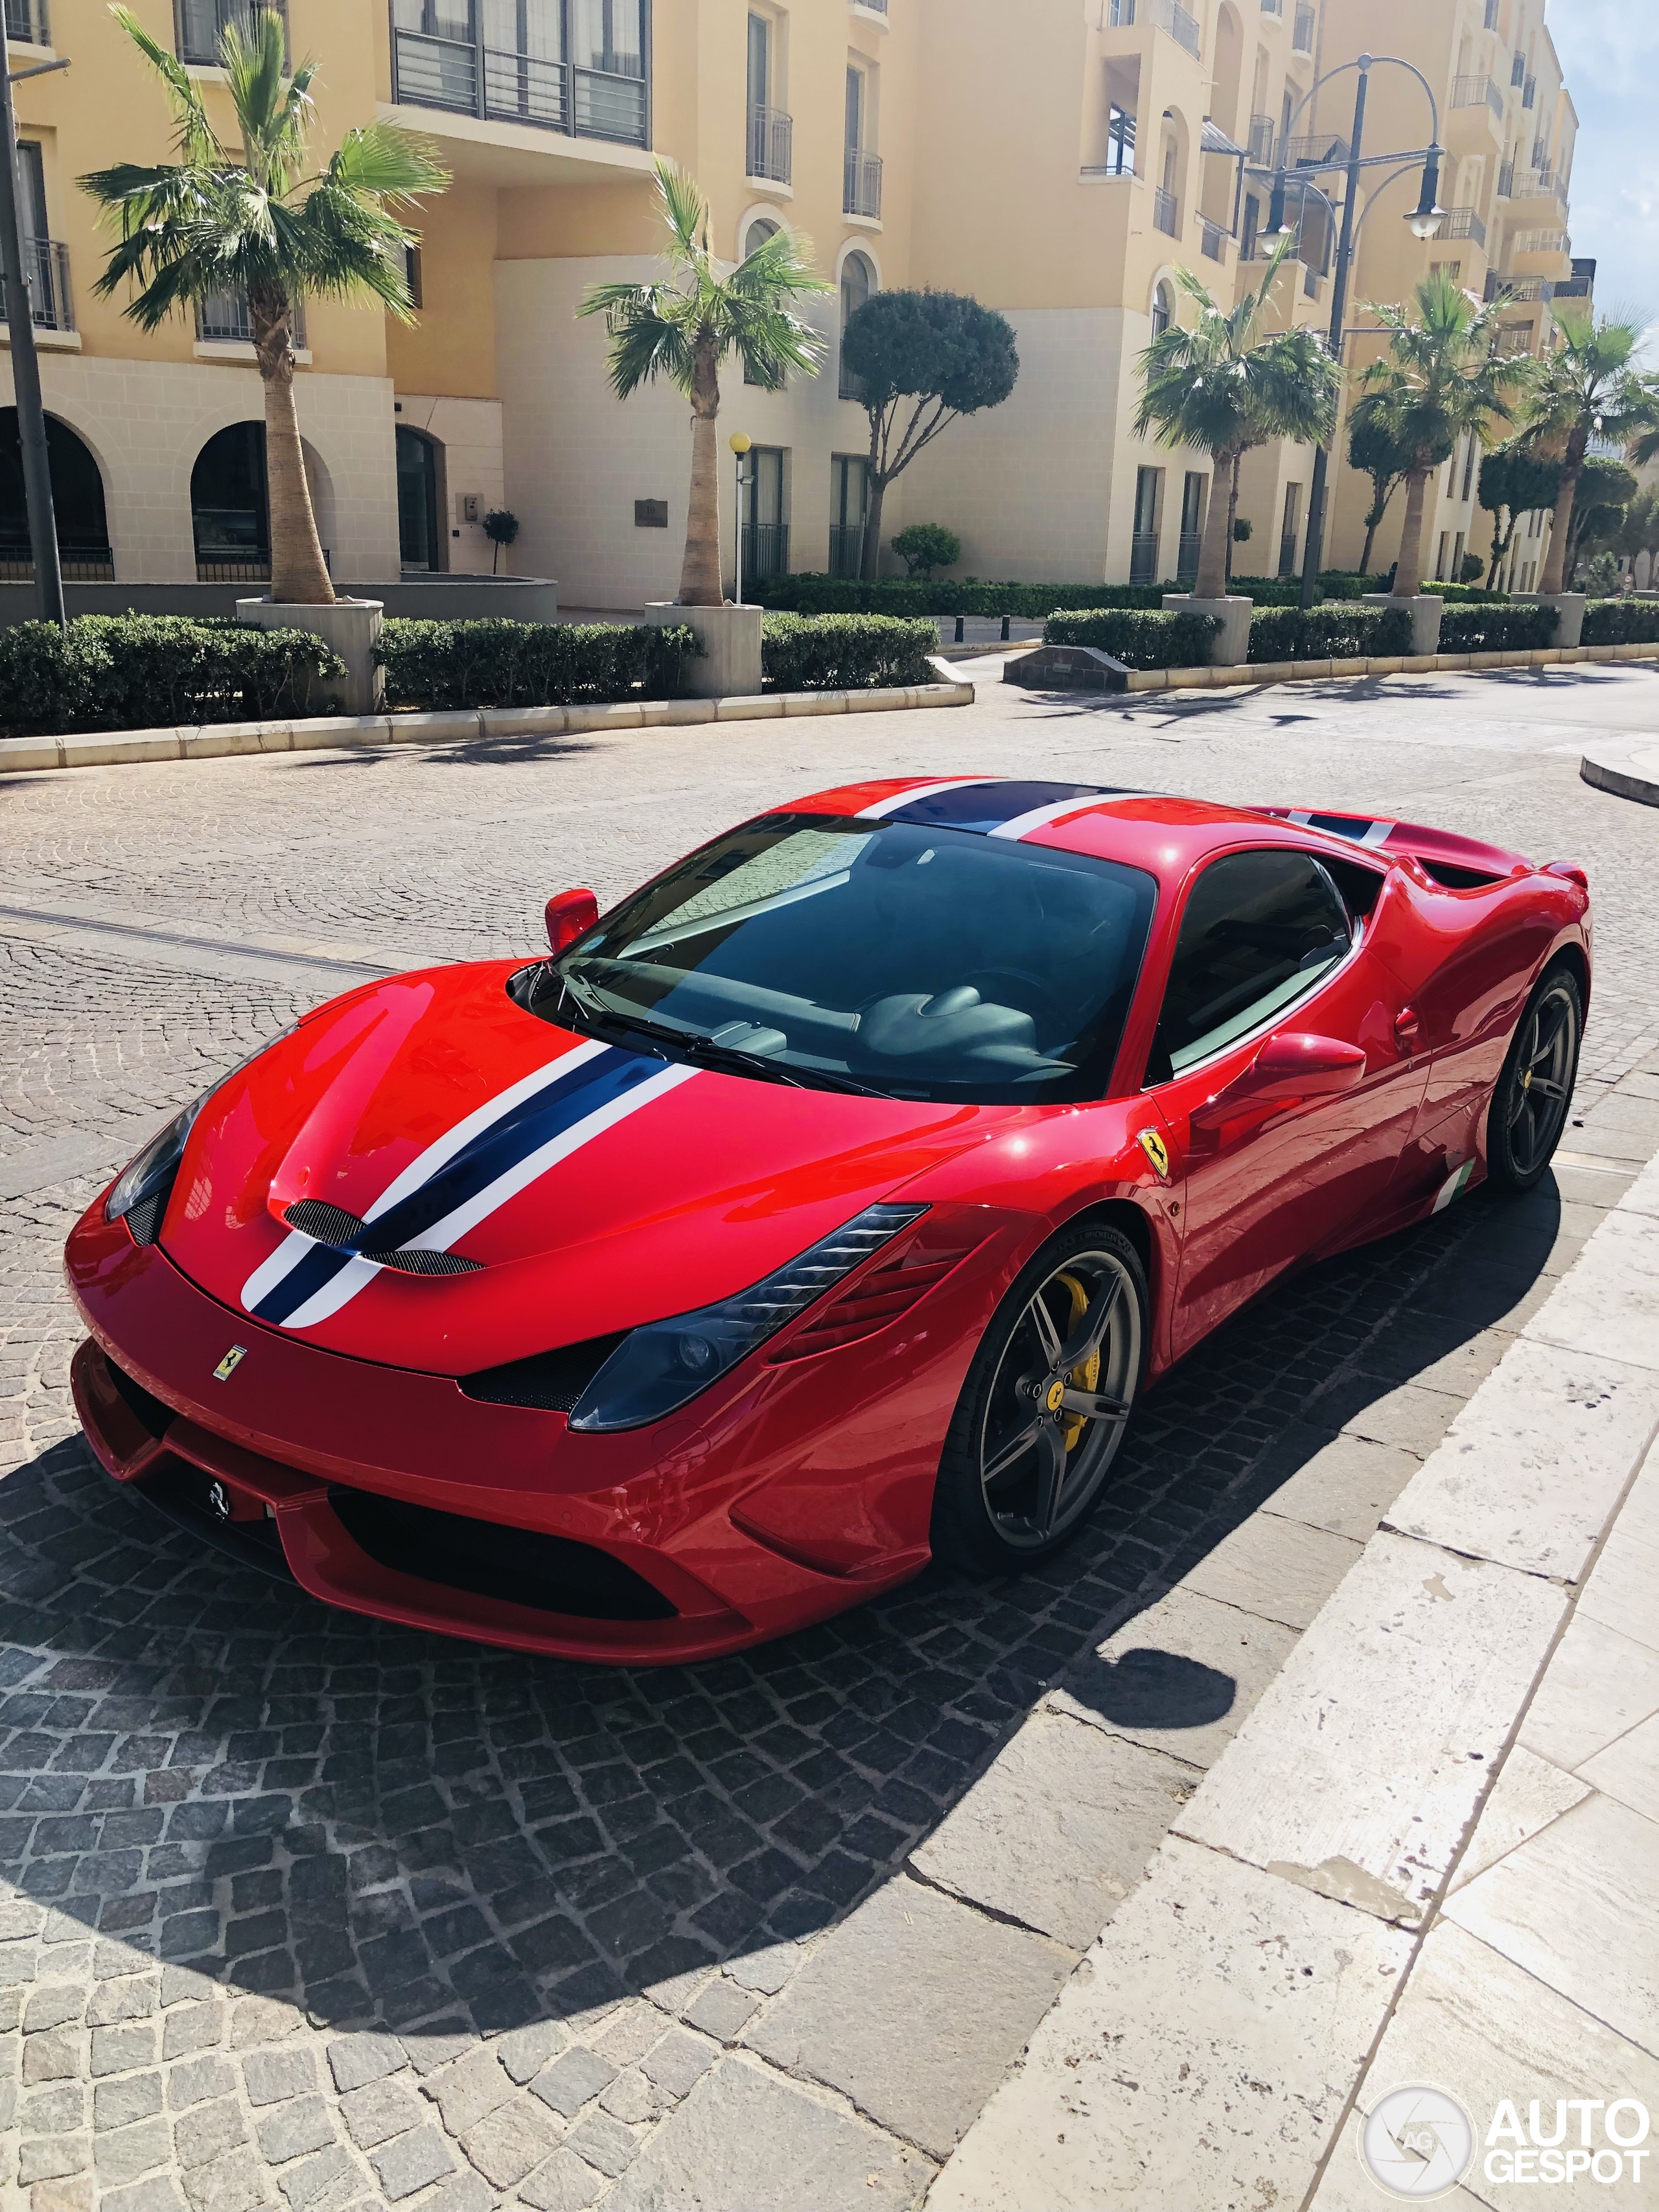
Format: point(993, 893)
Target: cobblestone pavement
point(303, 1911)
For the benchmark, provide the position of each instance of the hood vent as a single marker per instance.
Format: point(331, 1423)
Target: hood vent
point(344, 1232)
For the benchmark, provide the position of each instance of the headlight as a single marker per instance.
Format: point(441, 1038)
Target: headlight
point(139, 1196)
point(658, 1367)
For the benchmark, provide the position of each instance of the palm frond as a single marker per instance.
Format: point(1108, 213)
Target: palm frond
point(683, 209)
point(383, 158)
point(195, 139)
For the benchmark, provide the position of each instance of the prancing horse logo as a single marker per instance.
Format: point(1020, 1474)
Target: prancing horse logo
point(1155, 1151)
point(228, 1365)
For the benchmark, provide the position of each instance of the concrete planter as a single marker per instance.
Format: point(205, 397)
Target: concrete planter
point(350, 627)
point(1425, 609)
point(1231, 647)
point(1569, 609)
point(731, 640)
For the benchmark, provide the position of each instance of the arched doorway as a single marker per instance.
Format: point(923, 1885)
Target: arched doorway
point(78, 501)
point(230, 510)
point(419, 501)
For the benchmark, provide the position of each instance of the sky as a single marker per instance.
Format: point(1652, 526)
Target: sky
point(1609, 52)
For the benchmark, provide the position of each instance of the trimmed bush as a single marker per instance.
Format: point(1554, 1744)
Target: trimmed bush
point(142, 672)
point(1621, 622)
point(1338, 630)
point(1497, 629)
point(916, 597)
point(1467, 595)
point(447, 665)
point(925, 546)
point(1169, 639)
point(845, 652)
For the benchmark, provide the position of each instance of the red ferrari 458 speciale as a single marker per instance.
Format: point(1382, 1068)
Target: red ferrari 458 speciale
point(824, 1205)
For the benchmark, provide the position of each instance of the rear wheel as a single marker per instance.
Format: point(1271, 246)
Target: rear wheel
point(1043, 1412)
point(1534, 1091)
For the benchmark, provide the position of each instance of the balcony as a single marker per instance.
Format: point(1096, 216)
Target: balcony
point(1538, 185)
point(1259, 144)
point(46, 267)
point(1539, 241)
point(1213, 238)
point(199, 25)
point(1302, 39)
point(1463, 223)
point(771, 143)
point(223, 319)
point(1475, 92)
point(1166, 212)
point(1163, 15)
point(1323, 152)
point(1512, 338)
point(28, 21)
point(861, 184)
point(454, 68)
point(1574, 288)
point(766, 550)
point(1517, 290)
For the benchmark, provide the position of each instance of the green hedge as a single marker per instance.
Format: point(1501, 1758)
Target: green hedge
point(916, 596)
point(1164, 640)
point(1467, 595)
point(144, 672)
point(845, 652)
point(1621, 622)
point(444, 665)
point(1286, 591)
point(1497, 629)
point(1339, 631)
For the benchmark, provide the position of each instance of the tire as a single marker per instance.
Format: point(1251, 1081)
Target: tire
point(1036, 1498)
point(1533, 1096)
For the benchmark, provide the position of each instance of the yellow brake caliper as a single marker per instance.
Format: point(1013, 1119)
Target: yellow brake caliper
point(1086, 1377)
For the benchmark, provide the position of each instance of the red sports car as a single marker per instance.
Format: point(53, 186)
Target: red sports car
point(824, 1205)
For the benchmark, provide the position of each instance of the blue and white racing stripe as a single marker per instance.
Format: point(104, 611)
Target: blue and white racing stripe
point(993, 806)
point(1362, 831)
point(465, 1176)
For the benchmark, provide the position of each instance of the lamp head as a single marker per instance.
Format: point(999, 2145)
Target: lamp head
point(1426, 218)
point(738, 442)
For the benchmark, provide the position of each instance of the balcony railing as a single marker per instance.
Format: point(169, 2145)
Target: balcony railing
point(199, 25)
point(1323, 152)
point(28, 21)
point(77, 563)
point(1273, 6)
point(1163, 15)
point(1143, 557)
point(1302, 38)
point(771, 143)
point(1260, 142)
point(1520, 288)
point(1512, 338)
point(871, 7)
point(861, 184)
point(1463, 223)
point(766, 550)
point(1192, 543)
point(1574, 288)
point(1287, 554)
point(1538, 185)
point(1540, 155)
point(1472, 91)
point(501, 84)
point(1212, 240)
point(223, 319)
point(1539, 241)
point(45, 264)
point(1166, 212)
point(846, 548)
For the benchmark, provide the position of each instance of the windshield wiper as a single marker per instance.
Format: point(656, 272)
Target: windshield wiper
point(703, 1050)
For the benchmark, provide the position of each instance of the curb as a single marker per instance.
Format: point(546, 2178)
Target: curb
point(1410, 664)
point(219, 740)
point(1630, 770)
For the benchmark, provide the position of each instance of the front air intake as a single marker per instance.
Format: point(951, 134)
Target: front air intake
point(344, 1232)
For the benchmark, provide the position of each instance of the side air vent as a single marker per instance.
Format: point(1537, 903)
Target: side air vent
point(549, 1381)
point(144, 1221)
point(344, 1232)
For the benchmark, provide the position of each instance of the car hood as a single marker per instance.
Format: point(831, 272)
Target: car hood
point(583, 1186)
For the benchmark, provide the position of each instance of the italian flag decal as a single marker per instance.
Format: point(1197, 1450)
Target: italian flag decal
point(1454, 1187)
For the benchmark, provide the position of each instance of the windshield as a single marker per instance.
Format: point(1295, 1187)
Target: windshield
point(920, 962)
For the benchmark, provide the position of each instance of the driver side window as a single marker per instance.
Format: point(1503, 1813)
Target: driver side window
point(1260, 930)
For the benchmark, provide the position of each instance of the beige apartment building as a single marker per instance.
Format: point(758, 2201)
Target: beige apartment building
point(1062, 161)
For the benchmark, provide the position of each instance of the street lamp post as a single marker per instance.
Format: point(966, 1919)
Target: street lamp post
point(739, 446)
point(25, 367)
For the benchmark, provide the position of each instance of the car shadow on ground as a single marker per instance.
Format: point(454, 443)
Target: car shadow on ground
point(376, 1824)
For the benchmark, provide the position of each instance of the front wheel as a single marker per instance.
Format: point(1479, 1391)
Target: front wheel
point(1043, 1410)
point(1530, 1103)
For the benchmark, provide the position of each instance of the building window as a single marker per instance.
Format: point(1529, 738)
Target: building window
point(199, 25)
point(849, 500)
point(861, 194)
point(1252, 225)
point(770, 140)
point(1440, 557)
point(1143, 546)
point(412, 275)
point(1288, 533)
point(858, 281)
point(1468, 466)
point(230, 508)
point(419, 505)
point(1120, 142)
point(765, 533)
point(1163, 309)
point(1192, 524)
point(77, 498)
point(754, 237)
point(1456, 574)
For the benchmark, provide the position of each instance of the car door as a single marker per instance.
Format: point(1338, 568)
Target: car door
point(1267, 946)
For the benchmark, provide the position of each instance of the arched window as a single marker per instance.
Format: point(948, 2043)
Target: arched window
point(420, 545)
point(758, 232)
point(1163, 309)
point(858, 281)
point(230, 508)
point(77, 499)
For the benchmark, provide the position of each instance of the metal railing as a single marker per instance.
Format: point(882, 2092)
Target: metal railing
point(1324, 151)
point(1166, 212)
point(249, 566)
point(1302, 39)
point(45, 265)
point(1539, 241)
point(1475, 91)
point(501, 85)
point(1259, 144)
point(1519, 288)
point(846, 548)
point(1463, 223)
point(77, 563)
point(199, 25)
point(1212, 240)
point(765, 550)
point(1513, 338)
point(1192, 543)
point(1163, 15)
point(1273, 6)
point(1538, 185)
point(861, 184)
point(1574, 288)
point(771, 144)
point(1143, 557)
point(1287, 554)
point(1540, 155)
point(223, 319)
point(871, 7)
point(1506, 180)
point(29, 21)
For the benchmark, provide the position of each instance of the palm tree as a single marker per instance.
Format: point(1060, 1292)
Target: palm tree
point(1589, 386)
point(1224, 386)
point(682, 327)
point(1438, 381)
point(250, 220)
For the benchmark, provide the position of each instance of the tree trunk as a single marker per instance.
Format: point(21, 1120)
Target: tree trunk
point(700, 575)
point(1408, 569)
point(1572, 467)
point(870, 552)
point(1371, 521)
point(1211, 581)
point(1500, 546)
point(299, 574)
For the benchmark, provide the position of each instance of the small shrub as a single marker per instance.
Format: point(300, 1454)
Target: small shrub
point(1471, 569)
point(439, 665)
point(916, 597)
point(1497, 629)
point(1243, 529)
point(925, 546)
point(1169, 639)
point(1621, 622)
point(1339, 631)
point(1603, 576)
point(845, 652)
point(142, 672)
point(1467, 595)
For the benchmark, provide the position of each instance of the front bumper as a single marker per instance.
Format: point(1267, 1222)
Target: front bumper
point(694, 1517)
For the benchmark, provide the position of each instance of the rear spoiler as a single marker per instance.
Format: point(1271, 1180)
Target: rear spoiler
point(1461, 863)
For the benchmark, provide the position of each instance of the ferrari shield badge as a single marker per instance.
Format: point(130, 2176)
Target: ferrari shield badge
point(228, 1365)
point(1157, 1152)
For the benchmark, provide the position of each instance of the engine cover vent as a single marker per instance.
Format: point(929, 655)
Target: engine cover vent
point(344, 1232)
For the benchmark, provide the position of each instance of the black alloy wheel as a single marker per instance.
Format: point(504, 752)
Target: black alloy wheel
point(1530, 1103)
point(1043, 1411)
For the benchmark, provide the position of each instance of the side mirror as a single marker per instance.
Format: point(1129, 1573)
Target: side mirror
point(570, 914)
point(1291, 1065)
